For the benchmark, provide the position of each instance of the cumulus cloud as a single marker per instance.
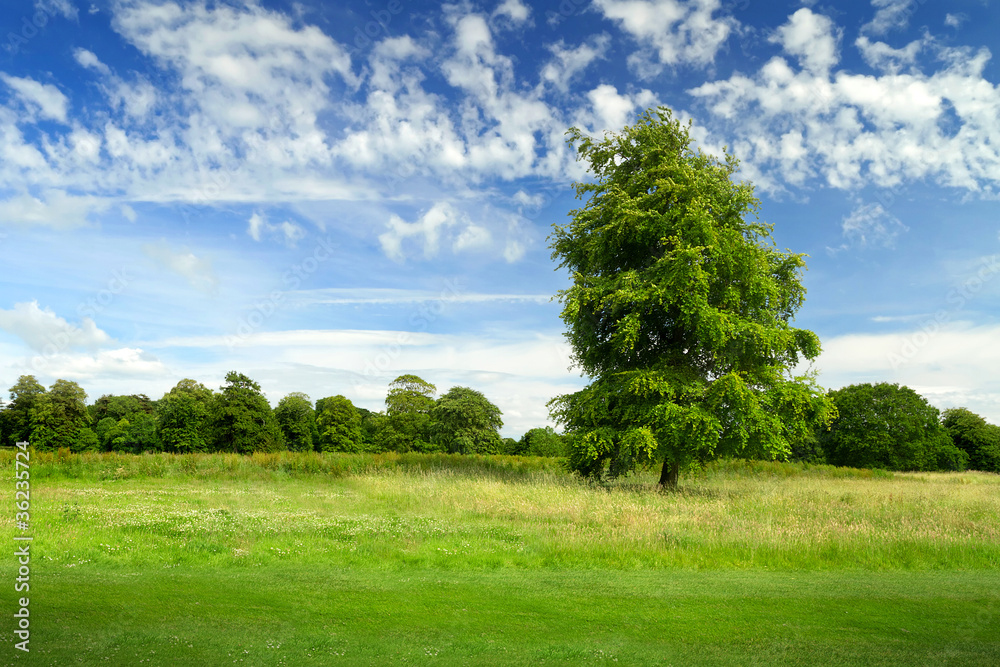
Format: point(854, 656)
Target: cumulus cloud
point(567, 63)
point(853, 129)
point(43, 99)
point(670, 32)
point(196, 270)
point(889, 15)
point(810, 37)
point(44, 331)
point(426, 230)
point(513, 10)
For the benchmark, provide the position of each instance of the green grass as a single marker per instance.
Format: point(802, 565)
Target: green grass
point(392, 559)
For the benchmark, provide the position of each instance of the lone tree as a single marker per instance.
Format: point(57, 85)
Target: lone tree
point(679, 311)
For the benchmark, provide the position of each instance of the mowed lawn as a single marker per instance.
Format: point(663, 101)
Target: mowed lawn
point(217, 560)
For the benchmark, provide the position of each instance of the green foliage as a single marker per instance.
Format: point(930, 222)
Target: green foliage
point(409, 394)
point(979, 440)
point(680, 310)
point(242, 419)
point(184, 417)
point(339, 425)
point(120, 407)
point(58, 415)
point(17, 415)
point(297, 419)
point(888, 426)
point(465, 422)
point(86, 441)
point(541, 442)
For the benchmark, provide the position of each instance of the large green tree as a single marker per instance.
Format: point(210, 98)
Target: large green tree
point(297, 420)
point(243, 420)
point(973, 435)
point(680, 311)
point(17, 415)
point(339, 424)
point(184, 417)
point(408, 421)
point(58, 416)
point(466, 422)
point(888, 426)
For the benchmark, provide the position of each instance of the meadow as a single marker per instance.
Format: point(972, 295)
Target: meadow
point(308, 559)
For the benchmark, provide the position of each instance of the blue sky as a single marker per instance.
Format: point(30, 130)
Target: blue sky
point(325, 196)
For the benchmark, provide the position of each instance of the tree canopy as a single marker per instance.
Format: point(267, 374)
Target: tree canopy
point(973, 435)
point(465, 422)
point(243, 420)
point(297, 420)
point(680, 311)
point(888, 426)
point(339, 424)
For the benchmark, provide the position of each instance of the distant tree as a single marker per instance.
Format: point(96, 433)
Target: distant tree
point(888, 426)
point(86, 441)
point(184, 419)
point(510, 447)
point(806, 449)
point(297, 420)
point(408, 394)
point(973, 435)
point(133, 435)
point(339, 425)
point(242, 418)
point(680, 311)
point(17, 415)
point(408, 423)
point(465, 422)
point(541, 442)
point(120, 407)
point(58, 415)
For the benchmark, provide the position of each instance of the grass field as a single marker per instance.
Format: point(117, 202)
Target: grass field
point(312, 560)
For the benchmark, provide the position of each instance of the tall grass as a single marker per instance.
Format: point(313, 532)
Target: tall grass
point(434, 510)
point(63, 464)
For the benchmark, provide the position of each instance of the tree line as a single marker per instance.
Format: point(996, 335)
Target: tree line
point(893, 427)
point(238, 418)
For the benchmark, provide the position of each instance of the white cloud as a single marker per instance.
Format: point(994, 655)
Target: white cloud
point(519, 372)
point(63, 7)
point(90, 60)
point(890, 15)
point(46, 332)
point(258, 225)
point(39, 98)
point(53, 208)
point(670, 32)
point(427, 230)
point(514, 10)
point(610, 110)
point(196, 270)
point(860, 129)
point(871, 226)
point(810, 37)
point(934, 360)
point(105, 367)
point(128, 212)
point(955, 20)
point(567, 63)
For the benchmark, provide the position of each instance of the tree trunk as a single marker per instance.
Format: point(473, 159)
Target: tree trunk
point(668, 476)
